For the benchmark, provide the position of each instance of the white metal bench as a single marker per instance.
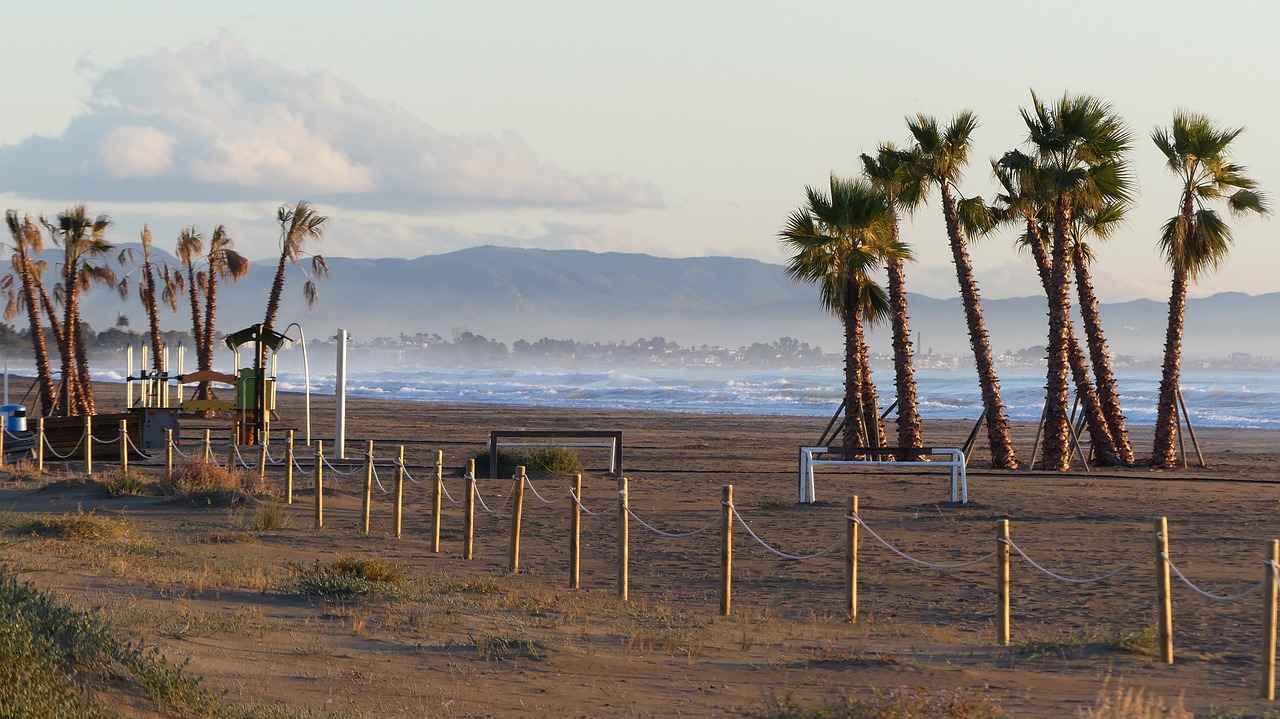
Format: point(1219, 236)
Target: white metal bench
point(955, 463)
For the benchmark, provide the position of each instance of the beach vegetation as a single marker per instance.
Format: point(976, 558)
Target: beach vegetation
point(27, 272)
point(1196, 240)
point(348, 578)
point(902, 702)
point(209, 483)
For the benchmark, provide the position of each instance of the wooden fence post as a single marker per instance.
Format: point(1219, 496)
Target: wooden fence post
point(575, 532)
point(1002, 583)
point(368, 484)
point(1164, 590)
point(624, 539)
point(1269, 599)
point(469, 522)
point(208, 446)
point(262, 461)
point(232, 463)
point(437, 502)
point(88, 444)
point(288, 470)
point(851, 557)
point(399, 491)
point(517, 513)
point(40, 446)
point(319, 482)
point(168, 452)
point(726, 550)
point(124, 446)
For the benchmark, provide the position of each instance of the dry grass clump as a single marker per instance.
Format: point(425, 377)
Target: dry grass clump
point(1129, 703)
point(121, 485)
point(896, 704)
point(209, 483)
point(510, 645)
point(77, 527)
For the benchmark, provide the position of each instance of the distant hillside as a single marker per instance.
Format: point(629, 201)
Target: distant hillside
point(510, 294)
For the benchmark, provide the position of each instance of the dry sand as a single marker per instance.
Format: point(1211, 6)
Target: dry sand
point(668, 652)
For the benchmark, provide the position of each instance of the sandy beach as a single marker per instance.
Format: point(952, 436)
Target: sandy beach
point(668, 652)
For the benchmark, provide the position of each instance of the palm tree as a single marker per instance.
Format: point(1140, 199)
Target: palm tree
point(82, 241)
point(889, 171)
point(940, 156)
point(837, 240)
point(151, 293)
point(298, 224)
point(27, 245)
point(223, 262)
point(189, 251)
point(1023, 201)
point(1080, 146)
point(1196, 240)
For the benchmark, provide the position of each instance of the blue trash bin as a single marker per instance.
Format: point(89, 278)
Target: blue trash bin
point(14, 416)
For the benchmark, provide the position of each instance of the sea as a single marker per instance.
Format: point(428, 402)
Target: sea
point(1213, 398)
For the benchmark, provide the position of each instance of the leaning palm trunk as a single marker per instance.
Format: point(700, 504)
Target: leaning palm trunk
point(44, 370)
point(70, 373)
point(998, 434)
point(1108, 395)
point(904, 380)
point(1165, 453)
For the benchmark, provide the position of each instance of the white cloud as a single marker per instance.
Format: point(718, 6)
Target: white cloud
point(136, 151)
point(212, 123)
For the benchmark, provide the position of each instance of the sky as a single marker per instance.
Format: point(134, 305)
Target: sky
point(678, 129)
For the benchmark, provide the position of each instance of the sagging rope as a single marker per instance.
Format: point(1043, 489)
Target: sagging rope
point(671, 535)
point(913, 560)
point(784, 555)
point(1070, 580)
point(590, 513)
point(1207, 595)
point(542, 499)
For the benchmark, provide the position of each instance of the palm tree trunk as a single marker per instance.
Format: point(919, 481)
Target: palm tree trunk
point(44, 370)
point(1165, 453)
point(853, 425)
point(1094, 418)
point(87, 404)
point(1108, 394)
point(152, 307)
point(197, 325)
point(870, 408)
point(70, 377)
point(210, 309)
point(1057, 425)
point(904, 379)
point(998, 434)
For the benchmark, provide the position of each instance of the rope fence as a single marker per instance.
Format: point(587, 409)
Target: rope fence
point(854, 525)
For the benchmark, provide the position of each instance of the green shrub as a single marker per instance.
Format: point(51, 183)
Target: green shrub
point(348, 578)
point(270, 517)
point(121, 485)
point(51, 656)
point(78, 527)
point(535, 460)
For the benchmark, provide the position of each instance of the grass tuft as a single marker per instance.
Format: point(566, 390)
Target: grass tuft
point(77, 527)
point(207, 483)
point(348, 578)
point(1127, 703)
point(896, 704)
point(511, 645)
point(121, 485)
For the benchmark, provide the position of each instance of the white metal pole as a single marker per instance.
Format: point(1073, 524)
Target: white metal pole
point(340, 395)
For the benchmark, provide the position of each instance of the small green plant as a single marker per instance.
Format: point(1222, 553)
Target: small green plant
point(553, 460)
point(270, 517)
point(1142, 641)
point(121, 485)
point(348, 578)
point(510, 645)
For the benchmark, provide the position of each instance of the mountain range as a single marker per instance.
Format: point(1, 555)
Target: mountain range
point(508, 294)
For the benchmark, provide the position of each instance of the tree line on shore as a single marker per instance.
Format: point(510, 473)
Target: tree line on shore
point(50, 300)
point(1068, 187)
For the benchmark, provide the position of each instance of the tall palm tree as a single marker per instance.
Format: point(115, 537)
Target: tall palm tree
point(28, 244)
point(889, 170)
point(1023, 201)
point(298, 225)
point(837, 240)
point(1196, 240)
point(1080, 145)
point(158, 284)
point(83, 243)
point(940, 156)
point(223, 262)
point(189, 251)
